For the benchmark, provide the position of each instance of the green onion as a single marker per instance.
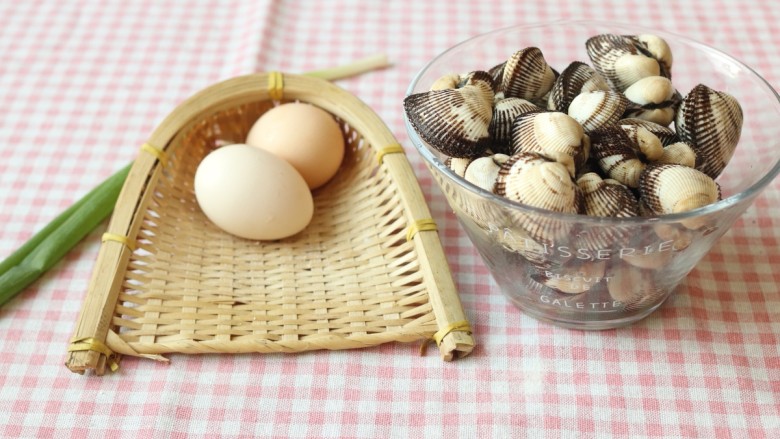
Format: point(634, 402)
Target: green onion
point(49, 245)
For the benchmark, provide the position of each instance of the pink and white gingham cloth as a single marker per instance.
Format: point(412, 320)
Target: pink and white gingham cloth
point(83, 83)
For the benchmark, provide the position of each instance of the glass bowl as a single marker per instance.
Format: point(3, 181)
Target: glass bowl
point(590, 272)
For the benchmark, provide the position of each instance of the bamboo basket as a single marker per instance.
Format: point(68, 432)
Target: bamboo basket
point(369, 268)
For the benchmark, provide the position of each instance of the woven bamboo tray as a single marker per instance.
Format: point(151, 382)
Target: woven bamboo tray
point(369, 269)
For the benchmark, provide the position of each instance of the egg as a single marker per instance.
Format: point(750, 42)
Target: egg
point(253, 194)
point(308, 137)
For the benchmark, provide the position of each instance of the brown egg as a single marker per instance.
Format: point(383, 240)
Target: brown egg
point(306, 136)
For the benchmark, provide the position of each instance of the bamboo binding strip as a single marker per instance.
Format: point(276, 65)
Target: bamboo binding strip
point(351, 279)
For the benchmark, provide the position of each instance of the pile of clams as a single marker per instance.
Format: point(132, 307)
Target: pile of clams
point(592, 139)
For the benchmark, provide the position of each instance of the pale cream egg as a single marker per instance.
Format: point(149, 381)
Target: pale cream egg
point(253, 194)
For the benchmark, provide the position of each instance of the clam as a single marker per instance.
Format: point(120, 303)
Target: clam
point(617, 155)
point(459, 164)
point(532, 180)
point(657, 48)
point(504, 113)
point(711, 122)
point(634, 287)
point(679, 153)
point(619, 60)
point(456, 80)
point(650, 261)
point(666, 135)
point(648, 145)
point(483, 171)
point(497, 72)
point(553, 135)
point(679, 235)
point(667, 189)
point(450, 80)
point(575, 79)
point(454, 121)
point(527, 75)
point(653, 98)
point(598, 109)
point(607, 198)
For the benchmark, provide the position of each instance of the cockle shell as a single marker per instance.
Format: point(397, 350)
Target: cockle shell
point(666, 135)
point(483, 171)
point(504, 113)
point(653, 98)
point(497, 72)
point(679, 153)
point(634, 287)
point(656, 47)
point(458, 164)
point(553, 135)
point(619, 61)
point(667, 189)
point(454, 121)
point(450, 80)
point(455, 80)
point(598, 109)
point(575, 79)
point(711, 122)
point(649, 147)
point(607, 198)
point(527, 75)
point(530, 179)
point(546, 185)
point(617, 156)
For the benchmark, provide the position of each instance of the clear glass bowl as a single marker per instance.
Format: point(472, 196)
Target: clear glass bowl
point(600, 273)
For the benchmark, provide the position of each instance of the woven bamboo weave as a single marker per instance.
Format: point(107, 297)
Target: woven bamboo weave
point(369, 268)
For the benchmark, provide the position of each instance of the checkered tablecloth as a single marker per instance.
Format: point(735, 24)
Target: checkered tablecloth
point(83, 83)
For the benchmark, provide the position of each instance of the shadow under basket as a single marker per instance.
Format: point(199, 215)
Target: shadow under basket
point(368, 269)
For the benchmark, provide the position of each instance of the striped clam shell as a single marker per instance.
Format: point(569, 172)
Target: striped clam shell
point(497, 72)
point(711, 122)
point(636, 288)
point(527, 75)
point(577, 78)
point(454, 121)
point(483, 172)
point(668, 189)
point(607, 198)
point(666, 135)
point(598, 109)
point(532, 180)
point(649, 147)
point(616, 155)
point(504, 113)
point(653, 98)
point(554, 135)
point(657, 48)
point(456, 80)
point(450, 80)
point(459, 164)
point(679, 153)
point(619, 60)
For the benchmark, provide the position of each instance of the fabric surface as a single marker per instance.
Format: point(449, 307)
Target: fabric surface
point(83, 83)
